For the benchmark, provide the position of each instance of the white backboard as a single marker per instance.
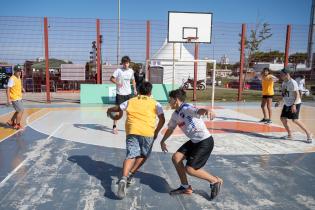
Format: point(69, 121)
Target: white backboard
point(182, 25)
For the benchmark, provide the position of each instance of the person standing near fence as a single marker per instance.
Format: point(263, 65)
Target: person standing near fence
point(14, 97)
point(122, 77)
point(300, 79)
point(267, 80)
point(139, 77)
point(292, 105)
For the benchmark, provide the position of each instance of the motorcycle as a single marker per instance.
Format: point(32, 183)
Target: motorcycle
point(189, 83)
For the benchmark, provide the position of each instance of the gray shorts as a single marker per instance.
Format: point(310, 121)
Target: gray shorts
point(18, 105)
point(138, 146)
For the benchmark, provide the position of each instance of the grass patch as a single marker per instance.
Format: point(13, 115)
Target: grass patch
point(230, 95)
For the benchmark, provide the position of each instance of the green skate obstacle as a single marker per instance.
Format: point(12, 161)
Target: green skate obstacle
point(105, 93)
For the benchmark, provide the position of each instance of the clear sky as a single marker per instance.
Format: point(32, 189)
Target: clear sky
point(231, 11)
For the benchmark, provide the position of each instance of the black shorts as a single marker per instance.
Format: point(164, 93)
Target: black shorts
point(286, 112)
point(267, 96)
point(121, 98)
point(197, 154)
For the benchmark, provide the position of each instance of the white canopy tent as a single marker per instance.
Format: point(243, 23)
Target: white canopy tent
point(162, 60)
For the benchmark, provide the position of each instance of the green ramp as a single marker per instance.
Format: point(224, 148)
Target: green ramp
point(105, 93)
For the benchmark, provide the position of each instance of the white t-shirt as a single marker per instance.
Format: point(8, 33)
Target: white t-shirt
point(301, 83)
point(159, 108)
point(189, 122)
point(123, 76)
point(288, 88)
point(10, 83)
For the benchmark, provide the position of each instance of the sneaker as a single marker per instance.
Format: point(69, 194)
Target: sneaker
point(115, 130)
point(262, 120)
point(268, 121)
point(309, 140)
point(18, 126)
point(287, 137)
point(130, 179)
point(215, 189)
point(10, 123)
point(182, 190)
point(121, 193)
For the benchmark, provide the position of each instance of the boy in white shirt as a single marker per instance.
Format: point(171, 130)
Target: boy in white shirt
point(292, 104)
point(197, 150)
point(122, 77)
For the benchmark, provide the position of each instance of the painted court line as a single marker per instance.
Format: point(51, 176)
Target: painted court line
point(24, 161)
point(55, 131)
point(12, 172)
point(26, 121)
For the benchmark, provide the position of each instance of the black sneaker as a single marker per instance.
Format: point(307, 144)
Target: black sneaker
point(182, 190)
point(215, 189)
point(263, 120)
point(309, 140)
point(268, 121)
point(121, 193)
point(130, 179)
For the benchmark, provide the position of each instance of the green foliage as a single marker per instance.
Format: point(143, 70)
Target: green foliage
point(259, 56)
point(257, 36)
point(298, 58)
point(53, 64)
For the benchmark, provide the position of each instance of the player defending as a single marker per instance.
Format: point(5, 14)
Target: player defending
point(122, 77)
point(141, 130)
point(197, 150)
point(292, 104)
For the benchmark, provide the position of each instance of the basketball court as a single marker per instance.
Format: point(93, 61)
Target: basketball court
point(67, 158)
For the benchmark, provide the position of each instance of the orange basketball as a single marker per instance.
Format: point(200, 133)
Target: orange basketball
point(115, 115)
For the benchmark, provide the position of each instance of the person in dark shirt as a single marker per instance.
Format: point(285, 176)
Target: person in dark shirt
point(139, 78)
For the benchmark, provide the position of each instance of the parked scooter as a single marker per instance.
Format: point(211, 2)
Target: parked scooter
point(189, 84)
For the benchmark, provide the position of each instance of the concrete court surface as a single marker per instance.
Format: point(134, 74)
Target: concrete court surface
point(67, 158)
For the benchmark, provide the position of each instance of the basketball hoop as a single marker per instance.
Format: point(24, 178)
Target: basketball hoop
point(191, 39)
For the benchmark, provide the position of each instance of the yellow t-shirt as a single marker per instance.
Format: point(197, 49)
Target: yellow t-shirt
point(141, 116)
point(16, 89)
point(267, 85)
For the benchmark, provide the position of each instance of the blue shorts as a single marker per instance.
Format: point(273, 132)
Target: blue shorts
point(138, 146)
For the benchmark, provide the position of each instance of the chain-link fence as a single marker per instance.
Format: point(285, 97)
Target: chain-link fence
point(73, 59)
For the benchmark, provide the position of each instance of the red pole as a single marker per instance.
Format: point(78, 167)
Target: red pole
point(148, 49)
point(195, 71)
point(240, 87)
point(47, 60)
point(98, 46)
point(287, 46)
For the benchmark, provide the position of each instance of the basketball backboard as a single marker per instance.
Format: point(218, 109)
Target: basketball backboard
point(189, 27)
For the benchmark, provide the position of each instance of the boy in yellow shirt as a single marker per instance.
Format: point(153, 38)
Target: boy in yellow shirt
point(14, 97)
point(267, 80)
point(141, 131)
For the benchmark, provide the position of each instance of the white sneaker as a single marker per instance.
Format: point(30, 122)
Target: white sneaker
point(121, 193)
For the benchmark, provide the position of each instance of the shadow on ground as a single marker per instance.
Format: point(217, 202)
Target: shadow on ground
point(106, 171)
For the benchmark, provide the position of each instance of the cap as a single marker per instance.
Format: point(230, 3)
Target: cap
point(17, 68)
point(285, 71)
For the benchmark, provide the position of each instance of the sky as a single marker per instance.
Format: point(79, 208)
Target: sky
point(231, 11)
point(72, 26)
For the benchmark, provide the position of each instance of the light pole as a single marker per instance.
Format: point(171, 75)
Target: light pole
point(118, 33)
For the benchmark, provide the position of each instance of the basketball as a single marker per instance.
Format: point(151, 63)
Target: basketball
point(115, 115)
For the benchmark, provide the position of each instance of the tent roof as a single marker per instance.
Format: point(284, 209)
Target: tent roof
point(166, 52)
